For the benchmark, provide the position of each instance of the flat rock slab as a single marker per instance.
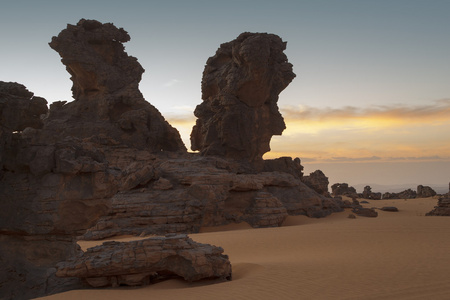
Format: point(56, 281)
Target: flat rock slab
point(389, 208)
point(140, 262)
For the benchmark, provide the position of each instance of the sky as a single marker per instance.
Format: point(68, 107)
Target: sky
point(370, 103)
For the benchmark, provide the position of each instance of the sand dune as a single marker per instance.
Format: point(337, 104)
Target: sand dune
point(402, 255)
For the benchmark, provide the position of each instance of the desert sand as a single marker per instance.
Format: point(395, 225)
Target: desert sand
point(398, 255)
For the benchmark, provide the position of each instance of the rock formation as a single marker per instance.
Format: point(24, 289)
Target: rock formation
point(140, 262)
point(368, 194)
point(318, 182)
point(105, 88)
point(365, 212)
point(109, 164)
point(425, 192)
point(240, 88)
point(343, 189)
point(443, 206)
point(406, 194)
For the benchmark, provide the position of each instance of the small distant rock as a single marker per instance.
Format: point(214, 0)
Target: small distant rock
point(389, 208)
point(351, 216)
point(364, 202)
point(365, 212)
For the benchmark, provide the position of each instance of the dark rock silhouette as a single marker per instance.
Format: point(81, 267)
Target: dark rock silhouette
point(105, 88)
point(389, 208)
point(240, 88)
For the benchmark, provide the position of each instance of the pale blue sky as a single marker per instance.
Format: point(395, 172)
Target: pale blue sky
point(387, 55)
point(344, 52)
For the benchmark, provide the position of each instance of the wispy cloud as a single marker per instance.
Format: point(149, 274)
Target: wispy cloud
point(351, 134)
point(171, 83)
point(382, 115)
point(379, 133)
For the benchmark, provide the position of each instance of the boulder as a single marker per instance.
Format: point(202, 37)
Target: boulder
point(365, 212)
point(425, 192)
point(140, 262)
point(343, 189)
point(389, 208)
point(318, 182)
point(368, 194)
point(240, 88)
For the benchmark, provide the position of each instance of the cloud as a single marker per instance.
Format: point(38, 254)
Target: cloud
point(171, 83)
point(374, 116)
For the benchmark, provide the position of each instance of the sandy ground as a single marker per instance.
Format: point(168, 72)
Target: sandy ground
point(398, 255)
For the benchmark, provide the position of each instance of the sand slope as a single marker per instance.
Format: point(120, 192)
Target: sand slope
point(402, 255)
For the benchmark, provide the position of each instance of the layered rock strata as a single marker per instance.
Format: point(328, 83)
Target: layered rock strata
point(141, 262)
point(240, 88)
point(443, 206)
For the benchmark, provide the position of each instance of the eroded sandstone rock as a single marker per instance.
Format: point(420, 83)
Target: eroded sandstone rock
point(140, 262)
point(343, 189)
point(240, 88)
point(109, 164)
point(318, 182)
point(425, 191)
point(105, 88)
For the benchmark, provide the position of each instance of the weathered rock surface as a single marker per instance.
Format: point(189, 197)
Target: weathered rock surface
point(105, 88)
point(425, 192)
point(365, 212)
point(343, 189)
point(406, 194)
point(139, 262)
point(240, 88)
point(318, 182)
point(443, 206)
point(207, 191)
point(368, 194)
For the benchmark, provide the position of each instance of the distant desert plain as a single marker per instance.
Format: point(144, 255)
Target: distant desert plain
point(397, 255)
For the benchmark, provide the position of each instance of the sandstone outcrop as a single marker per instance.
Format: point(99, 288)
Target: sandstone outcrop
point(207, 191)
point(109, 164)
point(318, 182)
point(443, 206)
point(406, 194)
point(240, 88)
point(105, 88)
point(368, 194)
point(365, 212)
point(343, 189)
point(141, 262)
point(425, 192)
